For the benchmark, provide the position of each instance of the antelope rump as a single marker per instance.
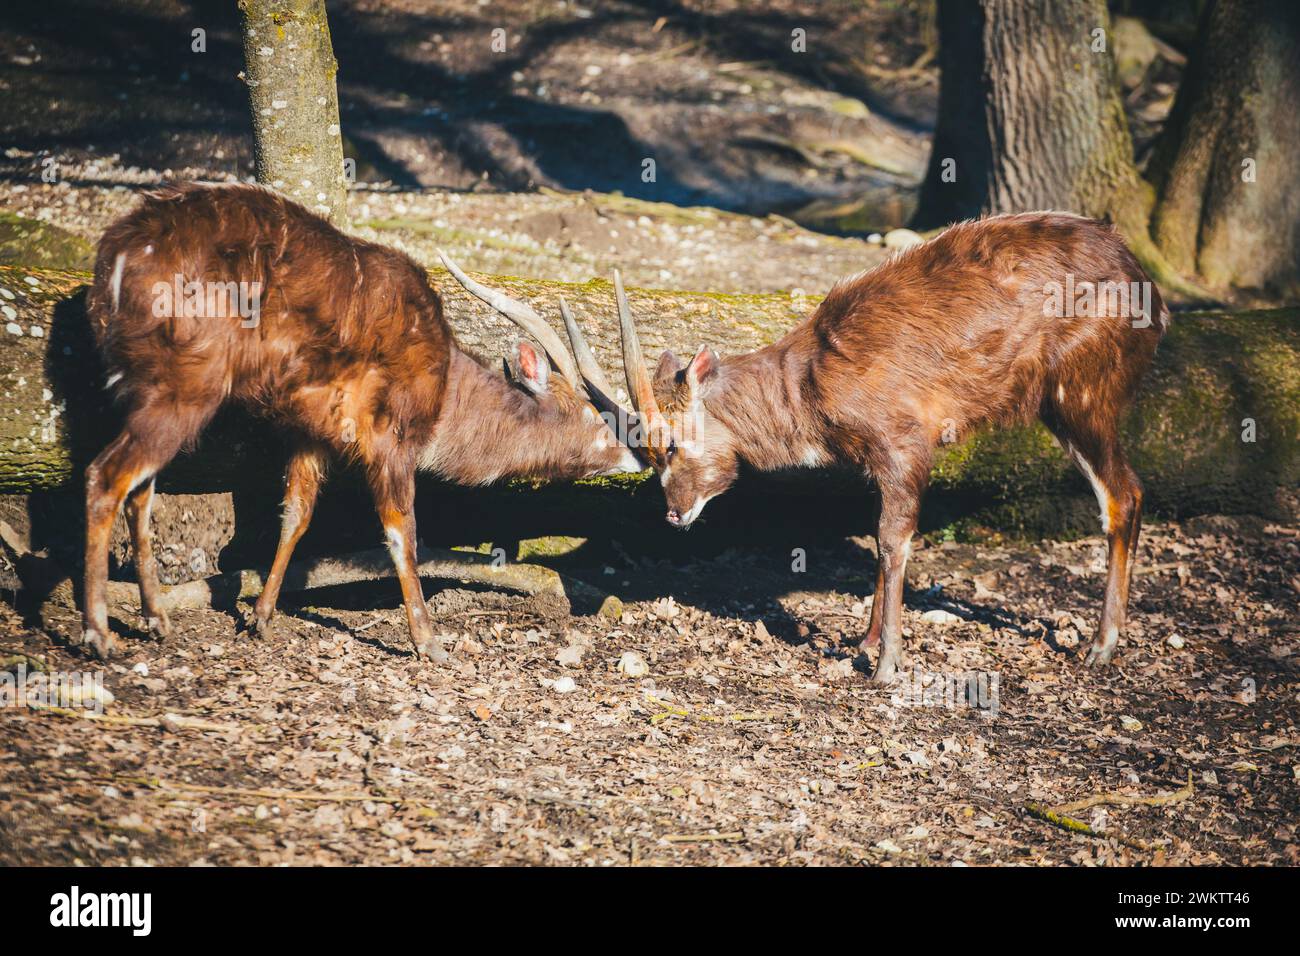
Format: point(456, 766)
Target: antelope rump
point(973, 328)
point(208, 294)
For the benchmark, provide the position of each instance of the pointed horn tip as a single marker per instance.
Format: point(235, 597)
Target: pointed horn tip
point(639, 387)
point(451, 265)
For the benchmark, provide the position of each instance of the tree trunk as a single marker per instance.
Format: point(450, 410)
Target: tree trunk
point(289, 67)
point(1227, 165)
point(1217, 426)
point(1029, 115)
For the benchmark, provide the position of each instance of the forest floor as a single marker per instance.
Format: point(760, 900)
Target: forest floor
point(537, 155)
point(752, 737)
point(567, 237)
point(756, 114)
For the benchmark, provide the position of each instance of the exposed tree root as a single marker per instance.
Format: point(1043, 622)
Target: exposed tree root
point(242, 794)
point(1059, 815)
point(1128, 800)
point(224, 591)
point(1078, 826)
point(370, 565)
point(167, 721)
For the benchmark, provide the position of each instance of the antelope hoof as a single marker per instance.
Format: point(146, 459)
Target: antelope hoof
point(432, 650)
point(885, 671)
point(1099, 656)
point(257, 625)
point(104, 645)
point(159, 626)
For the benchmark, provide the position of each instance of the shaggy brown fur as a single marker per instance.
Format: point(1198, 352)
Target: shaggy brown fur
point(963, 332)
point(348, 350)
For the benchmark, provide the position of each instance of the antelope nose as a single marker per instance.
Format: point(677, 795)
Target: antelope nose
point(674, 517)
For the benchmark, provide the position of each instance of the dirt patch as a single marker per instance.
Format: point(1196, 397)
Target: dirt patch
point(568, 237)
point(742, 106)
point(753, 737)
point(818, 112)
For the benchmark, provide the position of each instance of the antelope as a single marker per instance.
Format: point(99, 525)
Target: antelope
point(341, 342)
point(968, 330)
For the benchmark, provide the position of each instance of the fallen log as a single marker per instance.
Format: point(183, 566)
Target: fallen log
point(558, 594)
point(225, 589)
point(55, 414)
point(1216, 428)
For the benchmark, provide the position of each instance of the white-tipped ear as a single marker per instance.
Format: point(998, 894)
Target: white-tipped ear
point(530, 369)
point(702, 367)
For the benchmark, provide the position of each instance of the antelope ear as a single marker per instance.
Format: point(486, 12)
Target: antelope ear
point(529, 369)
point(702, 368)
point(668, 367)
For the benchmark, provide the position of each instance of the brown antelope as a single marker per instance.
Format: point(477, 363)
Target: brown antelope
point(989, 323)
point(208, 294)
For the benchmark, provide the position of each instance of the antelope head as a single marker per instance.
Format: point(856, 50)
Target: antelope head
point(556, 412)
point(694, 452)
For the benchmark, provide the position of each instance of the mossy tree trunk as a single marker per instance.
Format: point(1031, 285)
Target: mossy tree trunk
point(1029, 115)
point(1216, 427)
point(1227, 166)
point(290, 70)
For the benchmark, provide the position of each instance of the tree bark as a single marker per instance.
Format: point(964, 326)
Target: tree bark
point(1227, 165)
point(289, 67)
point(1030, 115)
point(1217, 426)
